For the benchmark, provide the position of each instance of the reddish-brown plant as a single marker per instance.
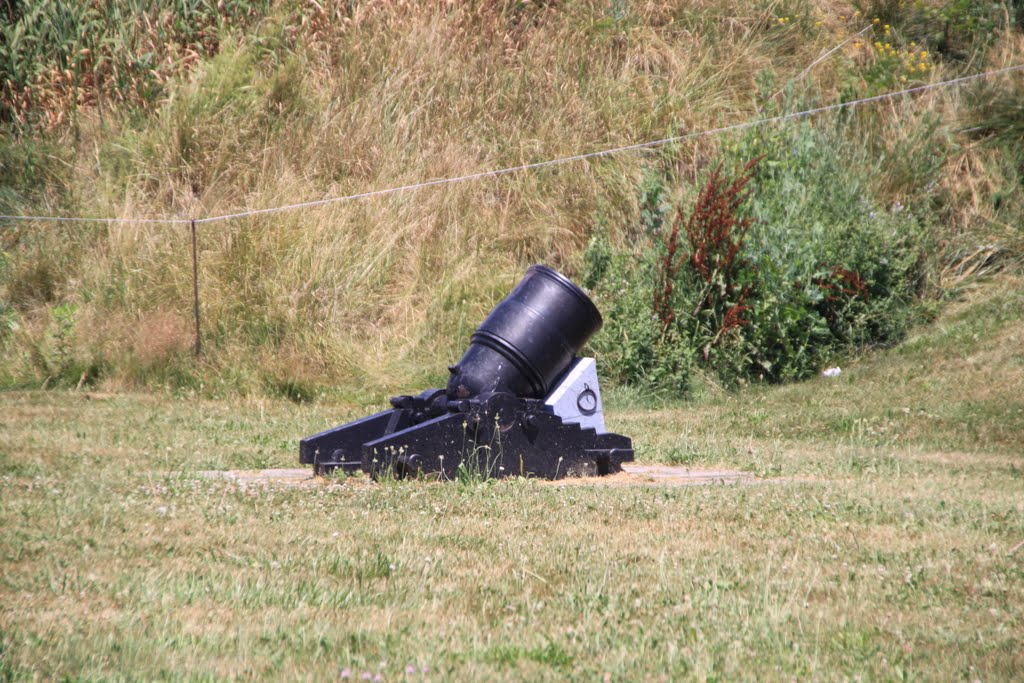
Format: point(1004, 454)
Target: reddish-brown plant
point(843, 284)
point(670, 264)
point(715, 231)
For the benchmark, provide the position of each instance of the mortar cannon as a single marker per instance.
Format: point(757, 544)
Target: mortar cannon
point(519, 402)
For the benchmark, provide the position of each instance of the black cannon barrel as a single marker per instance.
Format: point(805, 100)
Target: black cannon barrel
point(529, 339)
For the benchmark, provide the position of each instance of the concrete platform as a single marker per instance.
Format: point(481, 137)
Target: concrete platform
point(288, 476)
point(632, 474)
point(685, 476)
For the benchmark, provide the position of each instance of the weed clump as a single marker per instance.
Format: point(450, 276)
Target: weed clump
point(715, 269)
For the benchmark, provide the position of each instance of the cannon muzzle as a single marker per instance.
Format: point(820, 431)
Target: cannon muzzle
point(529, 340)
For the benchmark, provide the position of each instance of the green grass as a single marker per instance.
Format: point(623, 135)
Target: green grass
point(879, 547)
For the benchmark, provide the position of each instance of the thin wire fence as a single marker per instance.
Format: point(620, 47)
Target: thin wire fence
point(953, 82)
point(192, 222)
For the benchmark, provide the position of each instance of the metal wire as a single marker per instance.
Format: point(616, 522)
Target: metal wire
point(617, 150)
point(542, 164)
point(83, 219)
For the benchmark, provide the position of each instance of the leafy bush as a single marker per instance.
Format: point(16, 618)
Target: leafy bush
point(633, 347)
point(716, 280)
point(955, 28)
point(771, 273)
point(835, 269)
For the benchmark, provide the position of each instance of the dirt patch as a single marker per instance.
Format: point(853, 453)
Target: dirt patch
point(286, 476)
point(664, 475)
point(632, 474)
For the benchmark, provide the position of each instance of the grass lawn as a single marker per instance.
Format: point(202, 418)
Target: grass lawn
point(883, 542)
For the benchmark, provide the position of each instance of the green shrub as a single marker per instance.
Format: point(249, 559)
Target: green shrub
point(774, 270)
point(958, 29)
point(835, 269)
point(633, 349)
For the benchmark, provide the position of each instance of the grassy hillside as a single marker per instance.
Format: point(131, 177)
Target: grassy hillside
point(884, 541)
point(141, 111)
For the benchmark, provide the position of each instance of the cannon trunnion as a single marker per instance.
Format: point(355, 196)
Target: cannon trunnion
point(519, 402)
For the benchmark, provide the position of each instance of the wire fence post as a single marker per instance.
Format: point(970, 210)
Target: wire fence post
point(195, 289)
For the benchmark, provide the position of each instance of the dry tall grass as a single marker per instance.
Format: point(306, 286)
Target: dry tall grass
point(323, 101)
